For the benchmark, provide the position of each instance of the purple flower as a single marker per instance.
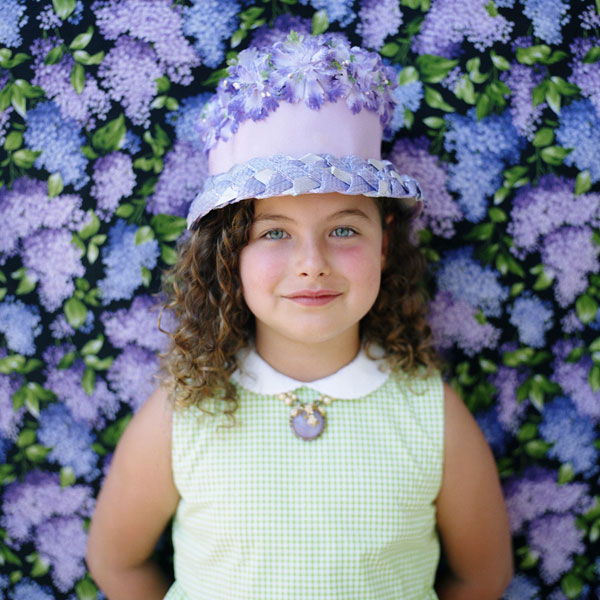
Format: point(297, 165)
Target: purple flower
point(211, 22)
point(187, 118)
point(54, 261)
point(114, 179)
point(123, 261)
point(10, 419)
point(158, 22)
point(13, 19)
point(556, 538)
point(521, 80)
point(570, 323)
point(510, 410)
point(61, 541)
point(537, 492)
point(579, 129)
point(547, 16)
point(448, 22)
point(492, 429)
point(570, 254)
point(337, 10)
point(408, 96)
point(571, 434)
point(26, 208)
point(441, 211)
point(266, 37)
point(590, 19)
point(453, 321)
point(70, 441)
point(137, 324)
point(131, 375)
point(20, 324)
point(55, 80)
point(541, 209)
point(59, 141)
point(586, 75)
point(522, 588)
point(465, 278)
point(532, 317)
point(27, 589)
point(129, 71)
point(184, 172)
point(483, 149)
point(5, 444)
point(378, 20)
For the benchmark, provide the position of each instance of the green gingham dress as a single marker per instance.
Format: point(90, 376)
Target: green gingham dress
point(266, 515)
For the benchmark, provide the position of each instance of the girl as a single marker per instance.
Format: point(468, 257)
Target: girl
point(303, 437)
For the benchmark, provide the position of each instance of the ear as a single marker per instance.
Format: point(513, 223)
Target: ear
point(387, 229)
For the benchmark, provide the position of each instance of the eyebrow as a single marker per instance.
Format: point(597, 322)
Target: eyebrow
point(347, 212)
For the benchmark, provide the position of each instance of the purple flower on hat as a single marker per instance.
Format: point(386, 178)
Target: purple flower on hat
point(13, 19)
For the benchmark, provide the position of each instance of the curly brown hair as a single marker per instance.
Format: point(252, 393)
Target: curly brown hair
point(213, 323)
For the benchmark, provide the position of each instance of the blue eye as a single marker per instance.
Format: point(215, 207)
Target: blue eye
point(343, 232)
point(275, 234)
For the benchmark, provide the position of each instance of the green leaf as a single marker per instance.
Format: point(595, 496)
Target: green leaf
point(82, 40)
point(13, 141)
point(25, 158)
point(586, 308)
point(543, 137)
point(215, 77)
point(497, 215)
point(84, 58)
point(595, 345)
point(517, 357)
point(67, 477)
point(86, 590)
point(487, 366)
point(168, 228)
point(565, 473)
point(571, 586)
point(481, 232)
point(88, 381)
point(390, 49)
point(538, 94)
point(533, 54)
point(146, 276)
point(564, 87)
point(592, 55)
point(236, 39)
point(64, 8)
point(537, 448)
point(483, 107)
point(594, 377)
point(78, 78)
point(36, 452)
point(19, 101)
point(67, 360)
point(434, 122)
point(163, 85)
point(527, 432)
point(111, 136)
point(434, 68)
point(143, 234)
point(408, 75)
point(516, 289)
point(92, 227)
point(554, 155)
point(553, 98)
point(26, 438)
point(320, 22)
point(75, 312)
point(583, 182)
point(465, 90)
point(11, 363)
point(93, 346)
point(499, 61)
point(26, 285)
point(125, 211)
point(543, 281)
point(168, 254)
point(54, 56)
point(55, 185)
point(112, 434)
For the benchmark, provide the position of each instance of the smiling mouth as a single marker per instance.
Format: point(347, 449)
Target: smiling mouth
point(309, 298)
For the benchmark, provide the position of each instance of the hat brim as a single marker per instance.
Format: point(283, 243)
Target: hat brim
point(281, 175)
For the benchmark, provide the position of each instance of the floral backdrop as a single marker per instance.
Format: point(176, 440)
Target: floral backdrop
point(498, 117)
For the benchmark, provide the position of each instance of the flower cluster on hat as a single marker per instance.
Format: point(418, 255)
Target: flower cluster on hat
point(309, 69)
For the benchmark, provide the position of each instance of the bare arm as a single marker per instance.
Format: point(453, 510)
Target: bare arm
point(471, 514)
point(135, 504)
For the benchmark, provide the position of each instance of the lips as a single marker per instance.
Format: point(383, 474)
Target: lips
point(313, 297)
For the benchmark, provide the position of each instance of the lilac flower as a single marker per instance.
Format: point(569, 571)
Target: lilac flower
point(53, 260)
point(66, 384)
point(129, 71)
point(464, 277)
point(5, 444)
point(590, 19)
point(510, 410)
point(29, 503)
point(13, 19)
point(48, 19)
point(441, 211)
point(131, 375)
point(492, 430)
point(132, 143)
point(158, 22)
point(537, 492)
point(547, 16)
point(453, 321)
point(60, 327)
point(55, 80)
point(61, 541)
point(20, 324)
point(114, 179)
point(27, 207)
point(337, 10)
point(541, 209)
point(186, 119)
point(570, 323)
point(483, 149)
point(184, 172)
point(586, 75)
point(571, 434)
point(378, 20)
point(59, 141)
point(579, 129)
point(70, 441)
point(408, 97)
point(448, 22)
point(266, 37)
point(27, 589)
point(556, 538)
point(522, 588)
point(521, 80)
point(123, 260)
point(10, 419)
point(137, 324)
point(532, 317)
point(210, 23)
point(573, 379)
point(570, 254)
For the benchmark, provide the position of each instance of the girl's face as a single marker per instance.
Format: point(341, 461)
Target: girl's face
point(312, 268)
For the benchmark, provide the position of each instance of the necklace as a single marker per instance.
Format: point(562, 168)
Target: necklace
point(307, 419)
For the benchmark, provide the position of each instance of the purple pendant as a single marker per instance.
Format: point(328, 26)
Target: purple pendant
point(306, 425)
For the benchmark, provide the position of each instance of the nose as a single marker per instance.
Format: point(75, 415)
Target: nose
point(311, 258)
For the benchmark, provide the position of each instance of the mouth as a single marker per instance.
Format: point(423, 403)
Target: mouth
point(313, 297)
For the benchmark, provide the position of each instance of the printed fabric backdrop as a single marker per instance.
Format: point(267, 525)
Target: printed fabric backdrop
point(498, 117)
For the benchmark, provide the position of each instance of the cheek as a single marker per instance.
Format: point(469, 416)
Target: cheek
point(259, 268)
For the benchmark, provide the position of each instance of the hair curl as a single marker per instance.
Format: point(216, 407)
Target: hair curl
point(213, 323)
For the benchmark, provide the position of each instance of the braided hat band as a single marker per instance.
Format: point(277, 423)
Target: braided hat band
point(281, 175)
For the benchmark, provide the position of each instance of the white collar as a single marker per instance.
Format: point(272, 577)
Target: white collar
point(356, 379)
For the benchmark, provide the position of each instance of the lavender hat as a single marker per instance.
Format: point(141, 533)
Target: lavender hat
point(305, 116)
